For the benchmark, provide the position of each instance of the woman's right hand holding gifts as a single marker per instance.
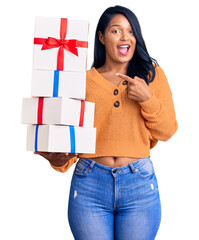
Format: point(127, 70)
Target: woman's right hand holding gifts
point(57, 159)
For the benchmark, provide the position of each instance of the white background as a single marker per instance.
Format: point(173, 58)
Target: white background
point(34, 196)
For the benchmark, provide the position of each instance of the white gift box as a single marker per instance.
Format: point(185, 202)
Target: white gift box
point(57, 110)
point(56, 138)
point(48, 83)
point(50, 30)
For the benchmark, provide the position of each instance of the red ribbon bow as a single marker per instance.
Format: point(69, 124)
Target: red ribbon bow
point(69, 44)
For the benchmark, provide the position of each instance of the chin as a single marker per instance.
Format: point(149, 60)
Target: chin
point(124, 60)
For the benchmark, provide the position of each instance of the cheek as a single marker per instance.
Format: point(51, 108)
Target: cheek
point(111, 43)
point(134, 41)
point(133, 47)
point(111, 49)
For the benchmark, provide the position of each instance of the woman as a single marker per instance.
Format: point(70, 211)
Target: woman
point(114, 193)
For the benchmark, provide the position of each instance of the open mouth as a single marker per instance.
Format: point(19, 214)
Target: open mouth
point(123, 49)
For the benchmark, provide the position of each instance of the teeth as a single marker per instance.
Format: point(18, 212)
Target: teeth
point(124, 46)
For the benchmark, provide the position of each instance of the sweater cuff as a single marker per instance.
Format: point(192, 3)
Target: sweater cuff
point(151, 105)
point(60, 166)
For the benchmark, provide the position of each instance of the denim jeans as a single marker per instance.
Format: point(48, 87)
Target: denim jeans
point(114, 203)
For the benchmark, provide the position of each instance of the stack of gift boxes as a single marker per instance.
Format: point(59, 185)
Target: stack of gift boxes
point(59, 118)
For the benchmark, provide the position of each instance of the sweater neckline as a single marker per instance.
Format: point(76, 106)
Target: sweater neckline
point(105, 80)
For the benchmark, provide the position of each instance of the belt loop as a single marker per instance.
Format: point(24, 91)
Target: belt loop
point(89, 168)
point(132, 167)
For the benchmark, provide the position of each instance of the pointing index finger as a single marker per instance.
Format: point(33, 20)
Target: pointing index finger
point(124, 76)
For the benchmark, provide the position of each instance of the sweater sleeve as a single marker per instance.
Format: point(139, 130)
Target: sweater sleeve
point(66, 166)
point(159, 112)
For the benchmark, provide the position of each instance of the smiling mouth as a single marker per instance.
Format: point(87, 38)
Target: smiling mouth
point(123, 50)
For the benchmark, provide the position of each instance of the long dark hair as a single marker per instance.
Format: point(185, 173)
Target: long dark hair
point(141, 64)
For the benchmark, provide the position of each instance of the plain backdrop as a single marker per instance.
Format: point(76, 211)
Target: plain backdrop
point(34, 197)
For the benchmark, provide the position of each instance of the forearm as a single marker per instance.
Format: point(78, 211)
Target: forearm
point(159, 117)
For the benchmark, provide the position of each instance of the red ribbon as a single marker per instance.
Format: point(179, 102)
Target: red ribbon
point(40, 110)
point(81, 119)
point(70, 44)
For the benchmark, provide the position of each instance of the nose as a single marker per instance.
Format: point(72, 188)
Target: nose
point(124, 36)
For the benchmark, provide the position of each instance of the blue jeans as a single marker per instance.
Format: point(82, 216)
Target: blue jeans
point(119, 203)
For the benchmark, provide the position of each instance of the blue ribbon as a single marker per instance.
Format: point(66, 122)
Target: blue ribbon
point(72, 138)
point(36, 137)
point(56, 83)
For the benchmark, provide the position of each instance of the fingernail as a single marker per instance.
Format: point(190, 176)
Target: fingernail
point(117, 74)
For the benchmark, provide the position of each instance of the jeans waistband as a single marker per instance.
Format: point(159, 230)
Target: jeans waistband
point(129, 167)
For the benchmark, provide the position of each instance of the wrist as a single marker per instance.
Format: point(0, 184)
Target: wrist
point(146, 99)
point(58, 165)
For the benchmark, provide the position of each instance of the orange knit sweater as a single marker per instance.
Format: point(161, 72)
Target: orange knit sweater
point(132, 128)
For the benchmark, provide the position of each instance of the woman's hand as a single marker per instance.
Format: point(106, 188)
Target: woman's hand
point(57, 159)
point(137, 89)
